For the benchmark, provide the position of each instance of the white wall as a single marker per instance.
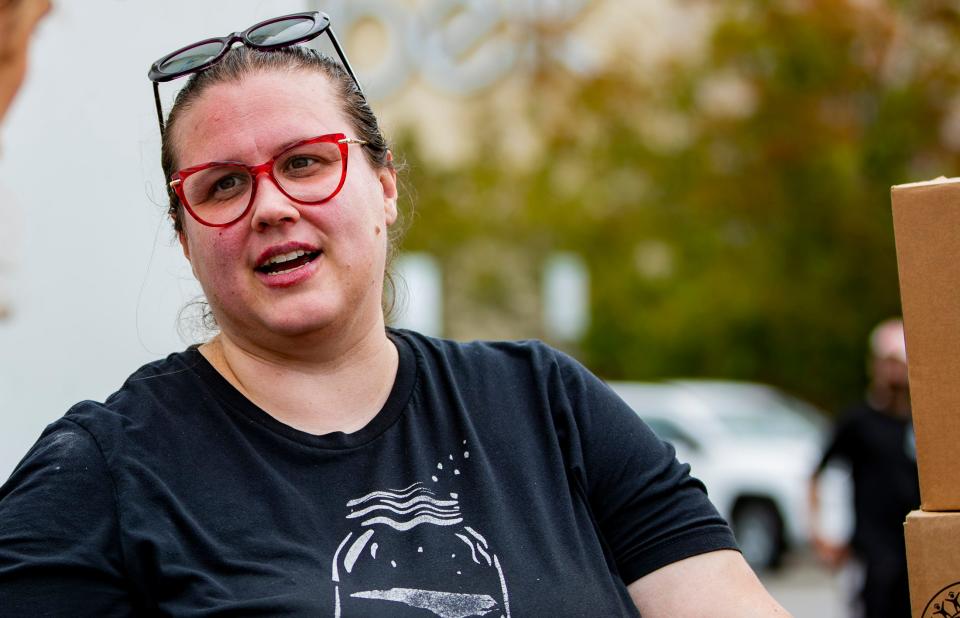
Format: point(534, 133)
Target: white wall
point(97, 279)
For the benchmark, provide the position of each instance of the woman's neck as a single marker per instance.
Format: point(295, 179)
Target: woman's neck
point(316, 393)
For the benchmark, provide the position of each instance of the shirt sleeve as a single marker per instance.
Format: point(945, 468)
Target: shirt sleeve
point(59, 547)
point(840, 444)
point(649, 510)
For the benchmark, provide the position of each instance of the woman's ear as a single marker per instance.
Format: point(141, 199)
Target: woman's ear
point(388, 183)
point(184, 246)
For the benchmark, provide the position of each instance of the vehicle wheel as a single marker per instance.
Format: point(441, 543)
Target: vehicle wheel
point(759, 531)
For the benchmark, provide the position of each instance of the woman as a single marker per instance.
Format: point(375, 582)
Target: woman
point(308, 460)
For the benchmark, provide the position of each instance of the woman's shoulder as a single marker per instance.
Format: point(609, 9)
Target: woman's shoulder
point(177, 365)
point(153, 386)
point(514, 362)
point(481, 350)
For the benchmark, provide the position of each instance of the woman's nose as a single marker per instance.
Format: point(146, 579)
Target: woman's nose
point(270, 206)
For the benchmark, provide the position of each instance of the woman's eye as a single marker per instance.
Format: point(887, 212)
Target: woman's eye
point(227, 183)
point(227, 187)
point(298, 163)
point(301, 164)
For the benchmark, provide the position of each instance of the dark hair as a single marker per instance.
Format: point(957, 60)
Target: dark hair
point(242, 61)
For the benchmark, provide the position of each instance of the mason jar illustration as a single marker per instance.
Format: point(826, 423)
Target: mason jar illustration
point(411, 553)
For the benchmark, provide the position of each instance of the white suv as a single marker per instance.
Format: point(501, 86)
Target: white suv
point(754, 448)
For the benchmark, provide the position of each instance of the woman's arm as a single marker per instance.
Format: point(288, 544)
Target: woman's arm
point(59, 534)
point(654, 519)
point(718, 583)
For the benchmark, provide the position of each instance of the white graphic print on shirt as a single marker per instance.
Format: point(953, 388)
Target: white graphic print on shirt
point(413, 548)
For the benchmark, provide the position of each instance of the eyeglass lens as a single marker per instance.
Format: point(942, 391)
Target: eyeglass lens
point(279, 32)
point(308, 173)
point(192, 58)
point(274, 33)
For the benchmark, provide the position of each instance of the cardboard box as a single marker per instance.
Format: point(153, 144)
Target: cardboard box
point(933, 559)
point(926, 221)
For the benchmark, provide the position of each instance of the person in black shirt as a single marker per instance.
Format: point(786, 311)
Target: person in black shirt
point(875, 437)
point(309, 461)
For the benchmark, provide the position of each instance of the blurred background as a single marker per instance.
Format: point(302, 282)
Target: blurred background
point(664, 188)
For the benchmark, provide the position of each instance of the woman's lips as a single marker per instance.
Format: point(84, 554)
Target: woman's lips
point(284, 262)
point(291, 276)
point(284, 251)
point(287, 264)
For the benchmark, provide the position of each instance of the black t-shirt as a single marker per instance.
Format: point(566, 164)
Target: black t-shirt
point(881, 451)
point(499, 479)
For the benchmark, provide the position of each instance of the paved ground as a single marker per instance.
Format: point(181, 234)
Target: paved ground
point(808, 590)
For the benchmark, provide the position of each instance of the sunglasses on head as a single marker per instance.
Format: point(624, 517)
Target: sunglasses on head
point(267, 35)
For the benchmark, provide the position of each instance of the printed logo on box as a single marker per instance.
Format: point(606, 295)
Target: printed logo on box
point(944, 604)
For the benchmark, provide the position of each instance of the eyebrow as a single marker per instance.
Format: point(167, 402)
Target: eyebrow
point(276, 151)
point(279, 149)
point(288, 144)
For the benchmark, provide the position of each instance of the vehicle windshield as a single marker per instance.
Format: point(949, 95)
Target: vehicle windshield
point(763, 413)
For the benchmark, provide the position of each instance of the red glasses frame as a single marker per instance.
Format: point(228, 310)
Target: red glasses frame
point(340, 139)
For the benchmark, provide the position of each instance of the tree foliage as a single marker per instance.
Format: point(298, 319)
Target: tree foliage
point(734, 210)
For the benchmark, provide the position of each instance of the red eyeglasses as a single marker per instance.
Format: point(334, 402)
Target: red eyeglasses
point(310, 172)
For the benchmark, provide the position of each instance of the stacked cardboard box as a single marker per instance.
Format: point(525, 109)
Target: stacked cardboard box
point(926, 219)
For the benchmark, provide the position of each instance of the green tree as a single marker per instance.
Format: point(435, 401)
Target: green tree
point(734, 210)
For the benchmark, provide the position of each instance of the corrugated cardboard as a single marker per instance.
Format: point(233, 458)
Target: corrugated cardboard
point(926, 221)
point(933, 559)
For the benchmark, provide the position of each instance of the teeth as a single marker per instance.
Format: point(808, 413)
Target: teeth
point(281, 272)
point(286, 257)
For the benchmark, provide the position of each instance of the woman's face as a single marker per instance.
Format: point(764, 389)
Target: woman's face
point(17, 23)
point(251, 121)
